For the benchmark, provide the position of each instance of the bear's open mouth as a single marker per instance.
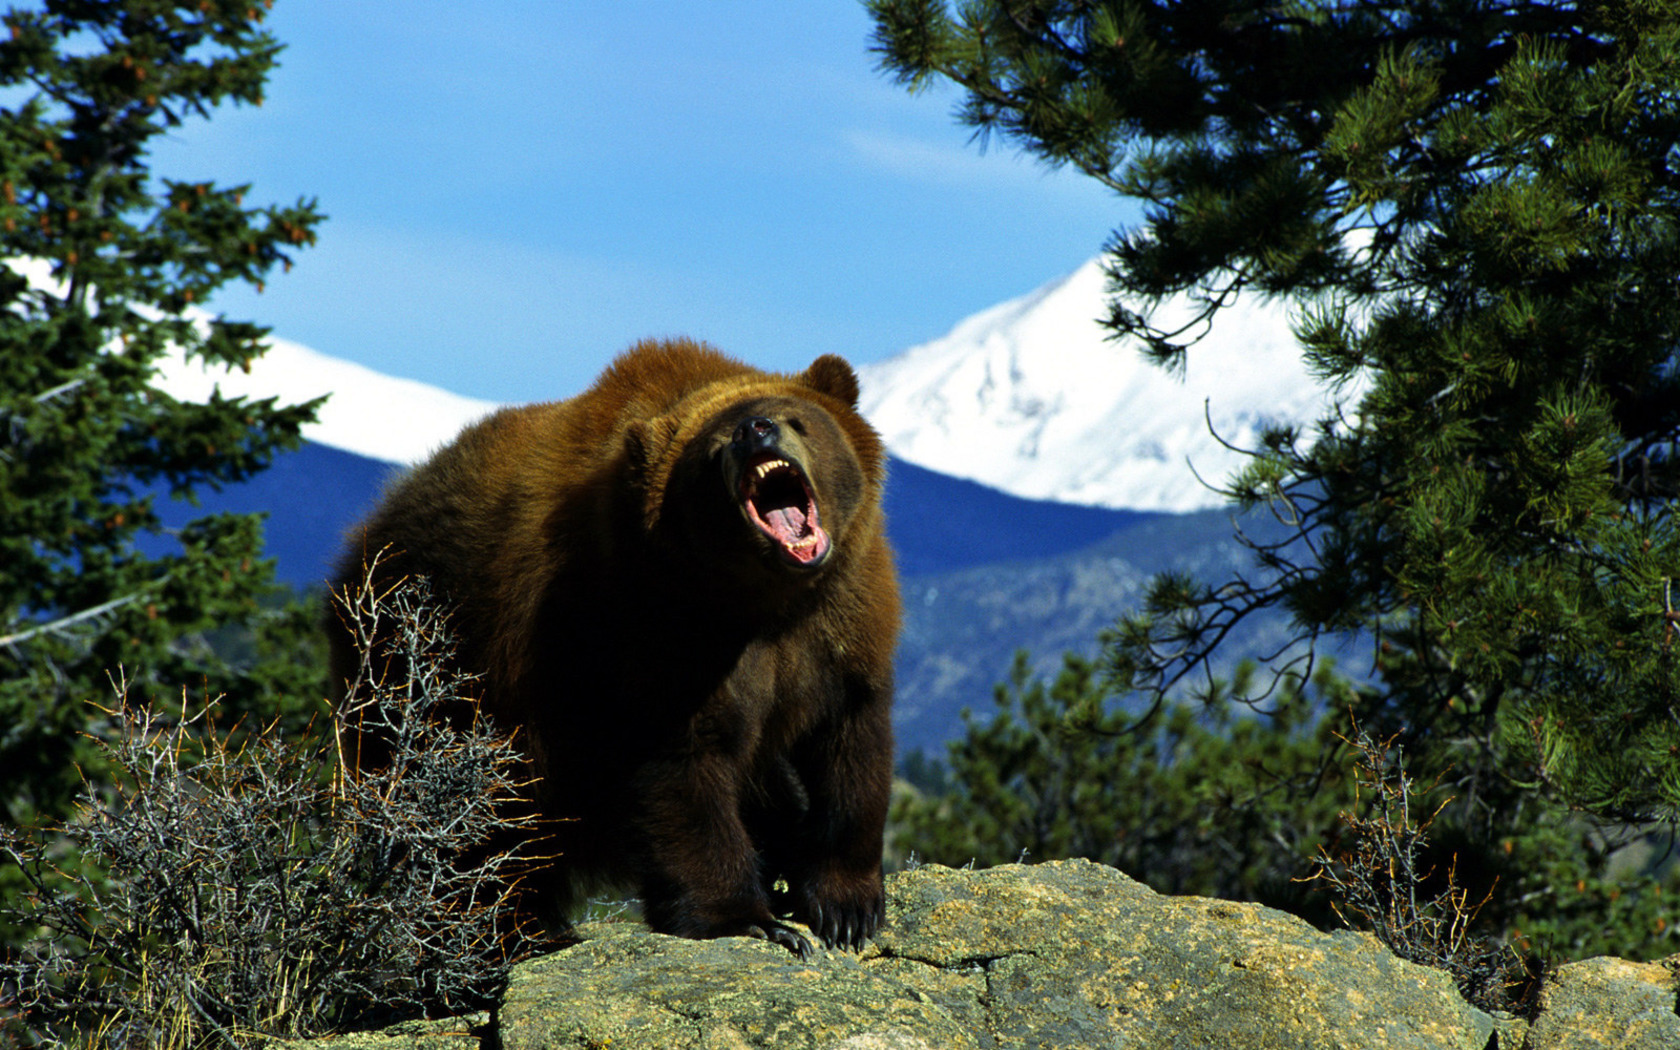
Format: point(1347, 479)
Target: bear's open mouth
point(779, 501)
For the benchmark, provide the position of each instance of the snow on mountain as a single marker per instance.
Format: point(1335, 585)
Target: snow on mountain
point(1029, 397)
point(369, 413)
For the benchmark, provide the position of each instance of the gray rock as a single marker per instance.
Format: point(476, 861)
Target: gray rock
point(626, 988)
point(1066, 954)
point(453, 1033)
point(1077, 954)
point(1606, 1002)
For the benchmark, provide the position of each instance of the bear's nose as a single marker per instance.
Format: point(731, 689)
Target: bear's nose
point(756, 433)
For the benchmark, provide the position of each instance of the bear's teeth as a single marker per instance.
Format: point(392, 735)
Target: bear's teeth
point(775, 464)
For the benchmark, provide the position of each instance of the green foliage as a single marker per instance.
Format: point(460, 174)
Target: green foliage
point(1215, 800)
point(1572, 888)
point(1209, 799)
point(1477, 209)
point(104, 267)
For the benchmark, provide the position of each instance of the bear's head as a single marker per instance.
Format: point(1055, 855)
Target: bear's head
point(780, 471)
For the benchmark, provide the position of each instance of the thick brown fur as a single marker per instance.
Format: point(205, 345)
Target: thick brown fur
point(707, 714)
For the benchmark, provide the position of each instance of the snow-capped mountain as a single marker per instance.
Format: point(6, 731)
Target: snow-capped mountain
point(369, 413)
point(1028, 397)
point(1031, 398)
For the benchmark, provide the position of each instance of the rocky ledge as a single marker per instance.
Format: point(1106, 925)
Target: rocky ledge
point(1064, 954)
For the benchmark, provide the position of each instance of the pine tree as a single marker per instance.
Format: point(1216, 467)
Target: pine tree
point(1205, 799)
point(1475, 205)
point(105, 270)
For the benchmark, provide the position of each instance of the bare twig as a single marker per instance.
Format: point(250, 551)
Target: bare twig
point(235, 886)
point(1378, 881)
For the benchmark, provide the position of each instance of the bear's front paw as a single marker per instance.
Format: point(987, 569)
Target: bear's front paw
point(685, 916)
point(776, 933)
point(847, 914)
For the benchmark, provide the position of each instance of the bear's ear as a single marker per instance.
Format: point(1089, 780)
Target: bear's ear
point(831, 375)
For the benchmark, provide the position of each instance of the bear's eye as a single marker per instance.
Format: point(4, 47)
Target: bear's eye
point(797, 424)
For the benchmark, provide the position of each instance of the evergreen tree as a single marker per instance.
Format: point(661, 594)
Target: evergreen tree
point(1213, 799)
point(104, 267)
point(1207, 799)
point(1476, 205)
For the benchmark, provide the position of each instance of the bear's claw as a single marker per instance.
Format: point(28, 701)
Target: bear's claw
point(786, 936)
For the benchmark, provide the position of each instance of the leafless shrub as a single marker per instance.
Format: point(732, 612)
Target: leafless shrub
point(1378, 878)
point(248, 887)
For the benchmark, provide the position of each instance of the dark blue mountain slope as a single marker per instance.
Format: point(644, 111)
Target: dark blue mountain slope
point(937, 523)
point(311, 496)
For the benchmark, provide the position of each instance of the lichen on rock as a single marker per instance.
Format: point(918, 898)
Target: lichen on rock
point(1066, 954)
point(1077, 954)
point(1609, 1003)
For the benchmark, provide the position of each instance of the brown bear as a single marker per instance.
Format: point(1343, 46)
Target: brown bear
point(676, 587)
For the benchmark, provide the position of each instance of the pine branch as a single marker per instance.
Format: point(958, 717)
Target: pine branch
point(60, 625)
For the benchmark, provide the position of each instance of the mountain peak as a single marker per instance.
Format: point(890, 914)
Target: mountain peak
point(1032, 396)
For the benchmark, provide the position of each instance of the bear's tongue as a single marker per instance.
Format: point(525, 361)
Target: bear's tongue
point(786, 523)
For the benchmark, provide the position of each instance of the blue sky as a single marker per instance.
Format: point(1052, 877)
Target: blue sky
point(518, 189)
